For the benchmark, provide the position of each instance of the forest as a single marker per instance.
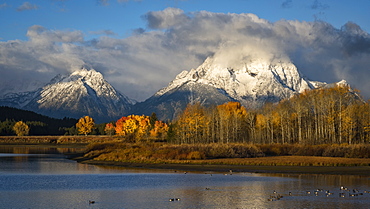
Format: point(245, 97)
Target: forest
point(328, 122)
point(336, 115)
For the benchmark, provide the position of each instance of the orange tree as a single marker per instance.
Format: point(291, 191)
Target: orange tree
point(133, 126)
point(109, 129)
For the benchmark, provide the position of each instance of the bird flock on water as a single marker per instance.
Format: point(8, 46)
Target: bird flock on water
point(343, 192)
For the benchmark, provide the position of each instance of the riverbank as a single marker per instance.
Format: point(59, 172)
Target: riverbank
point(156, 156)
point(54, 140)
point(225, 168)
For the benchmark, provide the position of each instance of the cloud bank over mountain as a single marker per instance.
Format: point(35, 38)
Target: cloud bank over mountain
point(173, 41)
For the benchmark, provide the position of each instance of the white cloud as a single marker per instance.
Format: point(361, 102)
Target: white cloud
point(27, 6)
point(103, 32)
point(140, 65)
point(166, 18)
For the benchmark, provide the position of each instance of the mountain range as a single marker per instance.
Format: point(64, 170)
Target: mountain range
point(86, 92)
point(251, 83)
point(83, 92)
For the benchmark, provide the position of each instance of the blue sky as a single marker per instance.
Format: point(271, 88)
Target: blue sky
point(141, 45)
point(122, 17)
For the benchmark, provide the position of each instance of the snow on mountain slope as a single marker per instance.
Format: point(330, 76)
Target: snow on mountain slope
point(252, 83)
point(83, 92)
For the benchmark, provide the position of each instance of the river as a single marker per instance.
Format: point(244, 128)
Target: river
point(44, 178)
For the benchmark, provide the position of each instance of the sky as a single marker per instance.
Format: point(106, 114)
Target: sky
point(141, 45)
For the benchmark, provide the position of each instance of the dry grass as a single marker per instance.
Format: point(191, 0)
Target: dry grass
point(217, 154)
point(162, 152)
point(324, 150)
point(289, 161)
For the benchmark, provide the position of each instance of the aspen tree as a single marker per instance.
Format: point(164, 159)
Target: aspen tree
point(85, 125)
point(21, 129)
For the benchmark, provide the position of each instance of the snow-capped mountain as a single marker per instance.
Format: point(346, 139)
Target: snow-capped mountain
point(252, 83)
point(83, 92)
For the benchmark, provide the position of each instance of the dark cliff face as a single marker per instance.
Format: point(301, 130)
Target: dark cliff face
point(169, 105)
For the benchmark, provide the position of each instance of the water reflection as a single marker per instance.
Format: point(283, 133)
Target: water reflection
point(48, 180)
point(38, 150)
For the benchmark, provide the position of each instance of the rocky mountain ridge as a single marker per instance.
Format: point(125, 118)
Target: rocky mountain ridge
point(86, 92)
point(83, 92)
point(252, 83)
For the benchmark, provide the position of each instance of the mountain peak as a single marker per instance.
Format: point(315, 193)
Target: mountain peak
point(252, 82)
point(247, 81)
point(82, 92)
point(85, 71)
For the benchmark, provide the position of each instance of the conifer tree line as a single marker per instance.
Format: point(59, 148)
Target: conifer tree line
point(38, 124)
point(334, 115)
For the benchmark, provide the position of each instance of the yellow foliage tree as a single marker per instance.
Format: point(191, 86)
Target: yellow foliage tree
point(191, 124)
point(144, 125)
point(21, 128)
point(85, 125)
point(232, 115)
point(160, 130)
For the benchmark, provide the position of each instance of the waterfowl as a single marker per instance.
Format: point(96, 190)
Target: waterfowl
point(343, 188)
point(91, 201)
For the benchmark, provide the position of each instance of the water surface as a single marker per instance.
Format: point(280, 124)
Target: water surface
point(49, 180)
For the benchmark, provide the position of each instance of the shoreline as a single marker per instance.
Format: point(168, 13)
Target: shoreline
point(201, 166)
point(280, 169)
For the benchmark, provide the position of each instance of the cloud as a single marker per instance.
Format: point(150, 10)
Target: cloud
point(46, 54)
point(3, 5)
point(103, 32)
point(106, 2)
point(319, 6)
point(148, 60)
point(27, 6)
point(166, 18)
point(287, 4)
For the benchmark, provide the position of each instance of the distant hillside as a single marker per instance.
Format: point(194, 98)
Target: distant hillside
point(39, 124)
